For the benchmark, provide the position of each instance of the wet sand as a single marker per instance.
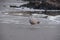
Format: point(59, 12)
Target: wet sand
point(18, 28)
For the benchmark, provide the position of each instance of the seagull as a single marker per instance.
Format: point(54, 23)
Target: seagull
point(33, 21)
